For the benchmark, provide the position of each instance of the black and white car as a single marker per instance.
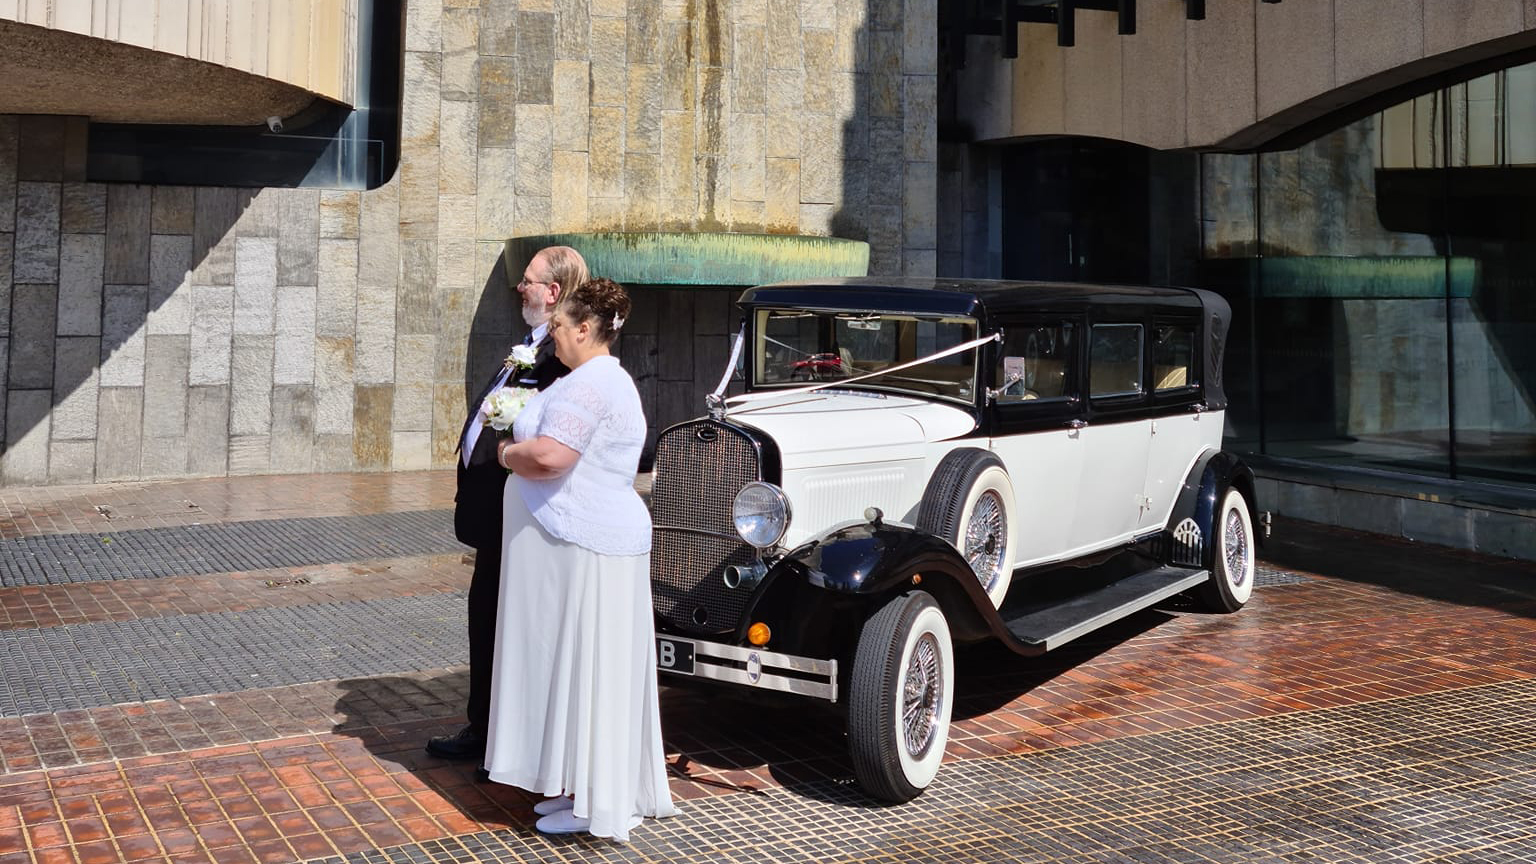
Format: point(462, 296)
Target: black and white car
point(907, 454)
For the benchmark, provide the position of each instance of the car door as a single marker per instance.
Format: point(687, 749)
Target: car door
point(1038, 397)
point(1115, 443)
point(1180, 431)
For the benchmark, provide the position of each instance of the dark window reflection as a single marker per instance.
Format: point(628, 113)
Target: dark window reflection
point(1382, 277)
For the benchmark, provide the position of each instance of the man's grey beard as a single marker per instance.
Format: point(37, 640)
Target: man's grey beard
point(535, 317)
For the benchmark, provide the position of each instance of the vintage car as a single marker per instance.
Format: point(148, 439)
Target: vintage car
point(836, 539)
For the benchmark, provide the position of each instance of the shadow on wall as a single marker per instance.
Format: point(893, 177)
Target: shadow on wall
point(497, 325)
point(823, 95)
point(675, 344)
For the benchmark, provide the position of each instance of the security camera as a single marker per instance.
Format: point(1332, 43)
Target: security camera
point(275, 123)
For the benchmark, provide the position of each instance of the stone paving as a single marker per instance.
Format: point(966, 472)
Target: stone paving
point(1372, 703)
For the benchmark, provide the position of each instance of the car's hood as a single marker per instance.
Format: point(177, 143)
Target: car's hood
point(833, 428)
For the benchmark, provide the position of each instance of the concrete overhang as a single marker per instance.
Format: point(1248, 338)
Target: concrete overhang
point(48, 71)
point(1240, 76)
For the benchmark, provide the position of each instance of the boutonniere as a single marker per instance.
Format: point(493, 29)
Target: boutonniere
point(521, 358)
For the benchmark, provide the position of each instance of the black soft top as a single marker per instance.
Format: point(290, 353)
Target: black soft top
point(984, 298)
point(962, 297)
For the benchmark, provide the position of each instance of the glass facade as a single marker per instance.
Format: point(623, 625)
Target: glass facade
point(1382, 276)
point(327, 145)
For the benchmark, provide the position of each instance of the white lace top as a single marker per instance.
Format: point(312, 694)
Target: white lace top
point(594, 410)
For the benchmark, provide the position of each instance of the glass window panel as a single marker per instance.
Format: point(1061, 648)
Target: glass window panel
point(1428, 142)
point(1037, 363)
point(1519, 108)
point(801, 347)
point(1115, 360)
point(1482, 121)
point(1397, 137)
point(1493, 328)
point(1173, 357)
point(1350, 318)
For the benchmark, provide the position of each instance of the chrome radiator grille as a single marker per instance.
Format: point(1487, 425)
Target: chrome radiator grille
point(699, 468)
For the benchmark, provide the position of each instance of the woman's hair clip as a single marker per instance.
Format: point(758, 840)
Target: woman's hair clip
point(617, 322)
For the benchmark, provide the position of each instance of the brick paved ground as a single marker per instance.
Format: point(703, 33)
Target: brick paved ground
point(1371, 704)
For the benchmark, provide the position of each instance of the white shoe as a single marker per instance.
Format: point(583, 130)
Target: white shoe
point(553, 805)
point(562, 822)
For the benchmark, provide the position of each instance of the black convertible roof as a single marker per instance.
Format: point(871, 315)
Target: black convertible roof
point(966, 297)
point(982, 298)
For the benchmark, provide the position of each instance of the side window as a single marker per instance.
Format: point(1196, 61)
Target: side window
point(1115, 360)
point(1173, 357)
point(1037, 363)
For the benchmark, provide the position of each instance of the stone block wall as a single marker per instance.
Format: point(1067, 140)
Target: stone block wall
point(156, 331)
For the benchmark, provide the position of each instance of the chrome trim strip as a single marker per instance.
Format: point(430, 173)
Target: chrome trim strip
point(769, 658)
point(765, 679)
point(768, 681)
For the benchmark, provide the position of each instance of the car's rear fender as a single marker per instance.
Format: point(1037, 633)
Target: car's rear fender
point(1208, 480)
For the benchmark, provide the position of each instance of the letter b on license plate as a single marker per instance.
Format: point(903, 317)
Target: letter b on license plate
point(674, 655)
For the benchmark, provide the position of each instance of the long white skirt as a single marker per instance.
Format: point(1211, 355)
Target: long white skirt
point(574, 708)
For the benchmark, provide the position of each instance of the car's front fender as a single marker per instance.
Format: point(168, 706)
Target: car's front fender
point(823, 590)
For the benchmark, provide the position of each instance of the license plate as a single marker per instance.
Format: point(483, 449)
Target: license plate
point(674, 655)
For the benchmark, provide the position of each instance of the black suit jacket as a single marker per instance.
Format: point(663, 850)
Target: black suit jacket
point(477, 504)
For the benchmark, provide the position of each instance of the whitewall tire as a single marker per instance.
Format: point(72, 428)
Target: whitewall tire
point(901, 695)
point(1232, 571)
point(969, 502)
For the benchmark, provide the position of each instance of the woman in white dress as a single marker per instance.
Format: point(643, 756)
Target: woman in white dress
point(574, 710)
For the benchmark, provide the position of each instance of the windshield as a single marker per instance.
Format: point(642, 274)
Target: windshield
point(795, 346)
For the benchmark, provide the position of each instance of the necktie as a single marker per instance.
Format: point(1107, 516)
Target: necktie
point(472, 434)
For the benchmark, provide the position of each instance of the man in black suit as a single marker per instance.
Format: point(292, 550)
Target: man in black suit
point(477, 510)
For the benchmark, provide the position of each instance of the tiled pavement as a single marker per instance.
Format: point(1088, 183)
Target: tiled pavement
point(1372, 703)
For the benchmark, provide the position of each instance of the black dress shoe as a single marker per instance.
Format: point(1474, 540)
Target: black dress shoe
point(467, 743)
point(482, 775)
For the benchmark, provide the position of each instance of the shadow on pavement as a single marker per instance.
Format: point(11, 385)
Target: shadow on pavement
point(1434, 572)
point(393, 716)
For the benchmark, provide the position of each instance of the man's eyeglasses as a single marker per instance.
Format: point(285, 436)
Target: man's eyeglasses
point(524, 283)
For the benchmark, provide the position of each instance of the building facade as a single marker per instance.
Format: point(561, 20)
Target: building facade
point(1350, 175)
point(251, 236)
point(171, 311)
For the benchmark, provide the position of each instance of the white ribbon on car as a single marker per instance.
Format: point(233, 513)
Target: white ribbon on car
point(730, 367)
point(843, 382)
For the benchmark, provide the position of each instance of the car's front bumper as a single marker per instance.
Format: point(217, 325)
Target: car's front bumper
point(750, 667)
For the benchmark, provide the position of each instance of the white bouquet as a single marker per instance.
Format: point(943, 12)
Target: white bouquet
point(501, 408)
point(521, 358)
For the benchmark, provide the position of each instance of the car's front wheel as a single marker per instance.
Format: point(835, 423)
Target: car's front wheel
point(900, 697)
point(969, 502)
point(1232, 572)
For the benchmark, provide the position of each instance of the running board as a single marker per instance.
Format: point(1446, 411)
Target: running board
point(1045, 629)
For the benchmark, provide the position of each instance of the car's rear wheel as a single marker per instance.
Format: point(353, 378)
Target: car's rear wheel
point(969, 502)
point(1232, 573)
point(900, 696)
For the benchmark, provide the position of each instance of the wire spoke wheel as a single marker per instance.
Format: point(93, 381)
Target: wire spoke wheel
point(986, 539)
point(920, 696)
point(1236, 553)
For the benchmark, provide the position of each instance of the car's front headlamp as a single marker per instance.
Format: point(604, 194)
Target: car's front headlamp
point(761, 514)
